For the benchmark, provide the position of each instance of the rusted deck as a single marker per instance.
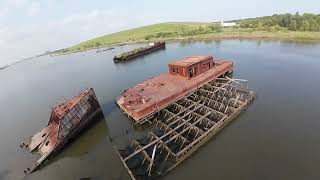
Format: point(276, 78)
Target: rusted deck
point(183, 126)
point(156, 93)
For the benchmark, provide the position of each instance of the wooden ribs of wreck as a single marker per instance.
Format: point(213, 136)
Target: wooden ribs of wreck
point(184, 125)
point(139, 52)
point(67, 120)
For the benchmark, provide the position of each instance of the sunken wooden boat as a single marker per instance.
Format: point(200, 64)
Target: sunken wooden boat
point(186, 107)
point(67, 120)
point(139, 52)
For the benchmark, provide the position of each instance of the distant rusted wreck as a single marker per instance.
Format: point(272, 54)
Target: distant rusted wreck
point(139, 52)
point(186, 107)
point(66, 121)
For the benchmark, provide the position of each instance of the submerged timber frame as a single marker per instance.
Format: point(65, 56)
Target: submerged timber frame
point(183, 126)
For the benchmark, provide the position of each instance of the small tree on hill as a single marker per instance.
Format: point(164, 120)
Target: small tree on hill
point(305, 26)
point(293, 25)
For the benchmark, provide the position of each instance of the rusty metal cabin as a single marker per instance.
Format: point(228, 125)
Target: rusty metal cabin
point(192, 66)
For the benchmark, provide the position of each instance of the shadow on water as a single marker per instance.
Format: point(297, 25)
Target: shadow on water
point(187, 42)
point(108, 107)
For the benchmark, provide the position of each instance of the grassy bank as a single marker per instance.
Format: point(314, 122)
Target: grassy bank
point(188, 30)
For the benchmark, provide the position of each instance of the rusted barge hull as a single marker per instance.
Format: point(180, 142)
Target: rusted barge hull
point(139, 52)
point(184, 126)
point(66, 122)
point(156, 93)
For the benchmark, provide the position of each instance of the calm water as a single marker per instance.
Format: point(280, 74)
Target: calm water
point(276, 138)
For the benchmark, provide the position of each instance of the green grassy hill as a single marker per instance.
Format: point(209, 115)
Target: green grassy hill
point(145, 33)
point(192, 30)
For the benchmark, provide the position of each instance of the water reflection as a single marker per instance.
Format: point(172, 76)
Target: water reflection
point(259, 43)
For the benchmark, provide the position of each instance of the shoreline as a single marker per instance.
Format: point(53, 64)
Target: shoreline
point(203, 37)
point(4, 67)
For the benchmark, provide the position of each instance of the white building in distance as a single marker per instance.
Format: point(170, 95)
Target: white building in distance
point(228, 24)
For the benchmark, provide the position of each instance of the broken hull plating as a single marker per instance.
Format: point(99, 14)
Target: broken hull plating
point(62, 144)
point(66, 122)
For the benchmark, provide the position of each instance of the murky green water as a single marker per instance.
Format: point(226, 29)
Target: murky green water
point(276, 138)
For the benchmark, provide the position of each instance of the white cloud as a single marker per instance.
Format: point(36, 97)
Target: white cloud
point(4, 32)
point(32, 39)
point(10, 7)
point(33, 8)
point(99, 21)
point(3, 12)
point(18, 3)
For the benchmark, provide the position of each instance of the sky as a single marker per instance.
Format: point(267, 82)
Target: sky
point(31, 27)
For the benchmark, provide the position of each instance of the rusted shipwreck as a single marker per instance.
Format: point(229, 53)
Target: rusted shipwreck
point(186, 107)
point(66, 121)
point(140, 51)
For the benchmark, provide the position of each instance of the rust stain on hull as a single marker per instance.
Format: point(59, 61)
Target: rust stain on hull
point(66, 121)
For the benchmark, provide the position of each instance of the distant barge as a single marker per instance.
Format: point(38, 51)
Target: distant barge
point(3, 67)
point(140, 51)
point(67, 121)
point(186, 107)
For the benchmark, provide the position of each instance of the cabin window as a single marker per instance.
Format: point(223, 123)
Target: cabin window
point(190, 72)
point(43, 135)
point(175, 70)
point(47, 143)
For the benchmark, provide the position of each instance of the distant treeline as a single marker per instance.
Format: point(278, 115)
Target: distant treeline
point(296, 22)
point(183, 31)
